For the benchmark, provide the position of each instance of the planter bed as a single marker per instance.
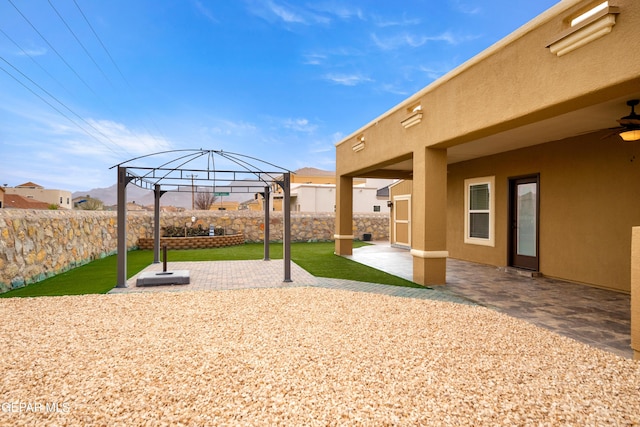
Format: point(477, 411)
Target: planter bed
point(197, 242)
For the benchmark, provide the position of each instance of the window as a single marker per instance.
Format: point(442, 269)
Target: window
point(479, 205)
point(60, 200)
point(376, 208)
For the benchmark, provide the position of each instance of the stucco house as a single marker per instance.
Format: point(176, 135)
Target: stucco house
point(515, 158)
point(32, 191)
point(314, 190)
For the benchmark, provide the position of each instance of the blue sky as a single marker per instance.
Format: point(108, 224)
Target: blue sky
point(86, 84)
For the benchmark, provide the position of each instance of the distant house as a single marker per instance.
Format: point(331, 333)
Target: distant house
point(1, 197)
point(314, 190)
point(14, 201)
point(133, 206)
point(29, 190)
point(221, 205)
point(255, 204)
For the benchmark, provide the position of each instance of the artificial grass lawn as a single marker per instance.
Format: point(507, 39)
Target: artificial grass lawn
point(99, 276)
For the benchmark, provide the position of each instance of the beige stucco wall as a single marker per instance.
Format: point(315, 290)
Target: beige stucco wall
point(60, 198)
point(635, 293)
point(589, 201)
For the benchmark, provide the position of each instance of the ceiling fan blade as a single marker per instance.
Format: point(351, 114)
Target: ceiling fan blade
point(629, 122)
point(613, 131)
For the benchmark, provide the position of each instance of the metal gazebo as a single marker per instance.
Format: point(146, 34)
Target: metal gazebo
point(198, 166)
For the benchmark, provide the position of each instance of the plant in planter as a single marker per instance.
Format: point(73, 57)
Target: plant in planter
point(173, 231)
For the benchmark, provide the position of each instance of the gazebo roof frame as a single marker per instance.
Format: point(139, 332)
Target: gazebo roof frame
point(171, 173)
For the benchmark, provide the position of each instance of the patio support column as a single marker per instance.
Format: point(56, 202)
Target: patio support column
point(157, 193)
point(265, 196)
point(344, 216)
point(635, 292)
point(429, 216)
point(123, 180)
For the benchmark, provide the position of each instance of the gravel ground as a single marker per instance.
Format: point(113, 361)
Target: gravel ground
point(297, 356)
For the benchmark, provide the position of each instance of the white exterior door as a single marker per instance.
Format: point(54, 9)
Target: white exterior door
point(402, 220)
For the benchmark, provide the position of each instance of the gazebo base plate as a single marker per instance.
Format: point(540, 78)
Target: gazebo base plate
point(154, 278)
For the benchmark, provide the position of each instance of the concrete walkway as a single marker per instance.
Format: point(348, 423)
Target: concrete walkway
point(596, 317)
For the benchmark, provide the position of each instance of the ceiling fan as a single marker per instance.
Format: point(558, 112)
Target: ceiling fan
point(629, 129)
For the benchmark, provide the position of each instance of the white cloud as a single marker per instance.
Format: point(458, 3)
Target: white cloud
point(299, 125)
point(205, 11)
point(288, 13)
point(285, 13)
point(395, 89)
point(33, 52)
point(347, 79)
point(381, 22)
point(315, 58)
point(339, 10)
point(229, 127)
point(465, 8)
point(412, 40)
point(113, 133)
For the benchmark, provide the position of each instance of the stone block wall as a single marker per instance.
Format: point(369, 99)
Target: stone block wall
point(38, 244)
point(197, 242)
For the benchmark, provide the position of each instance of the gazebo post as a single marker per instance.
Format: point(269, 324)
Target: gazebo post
point(123, 180)
point(157, 193)
point(286, 226)
point(265, 196)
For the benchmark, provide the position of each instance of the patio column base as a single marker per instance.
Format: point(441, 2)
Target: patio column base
point(344, 244)
point(429, 267)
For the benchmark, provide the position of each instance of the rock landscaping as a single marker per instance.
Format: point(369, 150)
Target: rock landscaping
point(297, 356)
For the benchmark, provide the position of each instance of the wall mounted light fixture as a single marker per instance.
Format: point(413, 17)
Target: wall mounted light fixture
point(359, 145)
point(589, 26)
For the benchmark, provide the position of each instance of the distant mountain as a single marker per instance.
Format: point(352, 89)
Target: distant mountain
point(239, 191)
point(243, 191)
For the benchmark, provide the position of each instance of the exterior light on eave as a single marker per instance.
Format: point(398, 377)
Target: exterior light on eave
point(590, 26)
point(414, 118)
point(359, 145)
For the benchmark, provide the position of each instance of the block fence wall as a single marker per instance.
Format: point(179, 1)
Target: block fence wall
point(35, 245)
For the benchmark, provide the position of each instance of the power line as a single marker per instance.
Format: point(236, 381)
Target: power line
point(73, 70)
point(80, 43)
point(52, 48)
point(62, 104)
point(113, 62)
point(101, 43)
point(34, 61)
point(56, 109)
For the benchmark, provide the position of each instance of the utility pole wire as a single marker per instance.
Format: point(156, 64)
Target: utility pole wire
point(115, 64)
point(53, 48)
point(80, 43)
point(56, 109)
point(101, 43)
point(61, 103)
point(34, 61)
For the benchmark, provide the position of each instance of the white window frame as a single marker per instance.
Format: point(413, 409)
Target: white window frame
point(468, 183)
